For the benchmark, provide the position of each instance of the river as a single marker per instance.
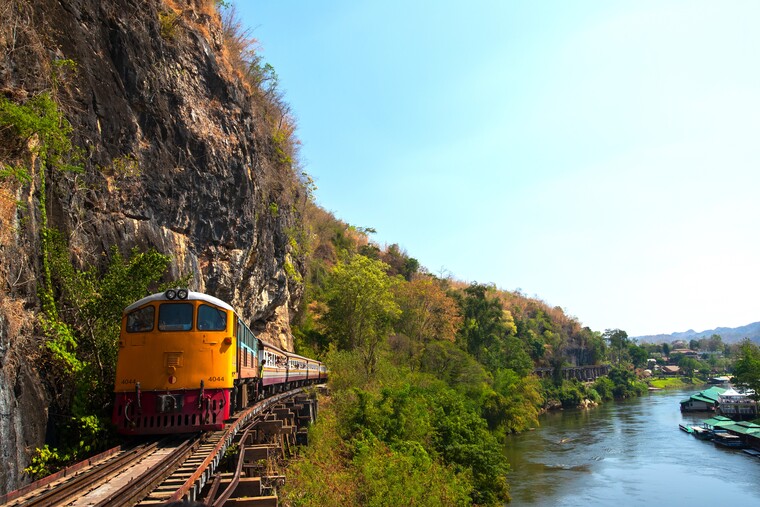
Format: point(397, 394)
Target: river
point(628, 453)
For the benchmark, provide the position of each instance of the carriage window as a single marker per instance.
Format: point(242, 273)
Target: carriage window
point(175, 317)
point(141, 321)
point(211, 318)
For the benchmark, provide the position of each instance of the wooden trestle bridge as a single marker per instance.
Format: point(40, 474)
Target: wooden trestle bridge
point(582, 373)
point(157, 471)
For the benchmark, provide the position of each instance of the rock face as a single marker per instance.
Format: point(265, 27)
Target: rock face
point(179, 156)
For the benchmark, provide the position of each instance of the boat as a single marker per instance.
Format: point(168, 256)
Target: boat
point(728, 440)
point(687, 429)
point(701, 433)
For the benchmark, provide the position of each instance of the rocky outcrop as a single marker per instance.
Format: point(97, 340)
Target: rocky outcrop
point(178, 156)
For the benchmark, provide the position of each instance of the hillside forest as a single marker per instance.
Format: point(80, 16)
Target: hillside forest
point(428, 374)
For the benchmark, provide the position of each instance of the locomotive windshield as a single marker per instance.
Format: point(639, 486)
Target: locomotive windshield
point(141, 320)
point(211, 318)
point(175, 317)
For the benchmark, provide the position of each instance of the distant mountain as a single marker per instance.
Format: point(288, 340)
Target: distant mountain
point(728, 334)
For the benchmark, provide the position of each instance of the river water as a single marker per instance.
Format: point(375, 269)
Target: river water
point(628, 453)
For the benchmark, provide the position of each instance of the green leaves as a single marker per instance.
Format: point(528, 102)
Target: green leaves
point(45, 461)
point(387, 474)
point(747, 368)
point(40, 127)
point(361, 307)
point(62, 344)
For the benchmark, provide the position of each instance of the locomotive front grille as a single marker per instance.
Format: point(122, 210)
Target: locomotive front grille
point(186, 422)
point(171, 412)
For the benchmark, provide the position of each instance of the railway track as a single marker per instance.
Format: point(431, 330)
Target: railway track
point(109, 482)
point(148, 474)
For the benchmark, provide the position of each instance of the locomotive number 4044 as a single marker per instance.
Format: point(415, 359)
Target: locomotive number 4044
point(216, 379)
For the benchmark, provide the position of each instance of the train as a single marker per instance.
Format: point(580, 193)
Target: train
point(187, 362)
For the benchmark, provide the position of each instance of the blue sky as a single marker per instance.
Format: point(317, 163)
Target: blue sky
point(602, 156)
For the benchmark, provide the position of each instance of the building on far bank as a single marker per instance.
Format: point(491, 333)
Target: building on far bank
point(703, 401)
point(685, 353)
point(736, 405)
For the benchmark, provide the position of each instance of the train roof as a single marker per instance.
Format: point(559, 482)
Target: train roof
point(285, 352)
point(297, 356)
point(191, 296)
point(275, 347)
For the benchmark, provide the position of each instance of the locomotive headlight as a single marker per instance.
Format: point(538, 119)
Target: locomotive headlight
point(170, 294)
point(182, 293)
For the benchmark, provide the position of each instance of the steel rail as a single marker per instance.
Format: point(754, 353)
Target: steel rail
point(57, 494)
point(232, 486)
point(66, 472)
point(138, 488)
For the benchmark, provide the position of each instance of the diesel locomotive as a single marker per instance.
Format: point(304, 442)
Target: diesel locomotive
point(187, 362)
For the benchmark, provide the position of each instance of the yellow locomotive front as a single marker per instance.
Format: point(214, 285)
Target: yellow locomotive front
point(176, 365)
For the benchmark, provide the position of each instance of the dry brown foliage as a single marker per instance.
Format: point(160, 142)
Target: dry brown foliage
point(24, 65)
point(7, 218)
point(16, 325)
point(239, 42)
point(428, 313)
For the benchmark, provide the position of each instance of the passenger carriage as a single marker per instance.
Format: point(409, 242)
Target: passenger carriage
point(298, 372)
point(274, 363)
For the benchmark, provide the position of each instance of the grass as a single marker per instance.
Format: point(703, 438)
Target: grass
point(671, 382)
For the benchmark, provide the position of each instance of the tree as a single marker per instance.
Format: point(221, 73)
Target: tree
point(485, 323)
point(618, 340)
point(427, 312)
point(361, 308)
point(625, 383)
point(638, 355)
point(747, 367)
point(399, 262)
point(594, 343)
point(689, 365)
point(715, 343)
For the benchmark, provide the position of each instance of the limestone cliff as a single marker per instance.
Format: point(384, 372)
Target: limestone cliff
point(179, 155)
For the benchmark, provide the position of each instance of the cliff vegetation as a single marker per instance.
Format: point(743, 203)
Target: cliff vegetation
point(142, 144)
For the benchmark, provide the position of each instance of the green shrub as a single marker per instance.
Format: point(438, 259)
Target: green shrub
point(593, 395)
point(44, 462)
point(604, 388)
point(405, 471)
point(570, 395)
point(168, 22)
